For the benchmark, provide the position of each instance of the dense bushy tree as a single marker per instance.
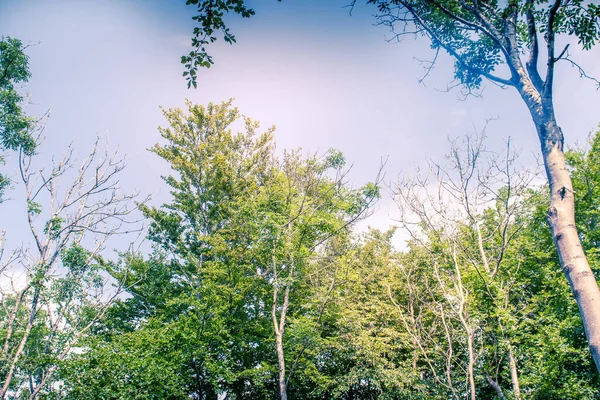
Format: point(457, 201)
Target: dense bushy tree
point(235, 249)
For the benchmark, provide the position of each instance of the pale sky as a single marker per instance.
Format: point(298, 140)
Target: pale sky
point(324, 78)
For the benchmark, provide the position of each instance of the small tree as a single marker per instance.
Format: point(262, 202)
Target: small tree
point(464, 217)
point(312, 205)
point(71, 212)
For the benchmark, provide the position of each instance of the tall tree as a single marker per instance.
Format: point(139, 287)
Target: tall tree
point(238, 243)
point(487, 40)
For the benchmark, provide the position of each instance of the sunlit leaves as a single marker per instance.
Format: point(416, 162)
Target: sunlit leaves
point(210, 14)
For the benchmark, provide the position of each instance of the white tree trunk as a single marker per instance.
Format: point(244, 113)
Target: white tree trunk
point(281, 362)
point(514, 376)
point(561, 218)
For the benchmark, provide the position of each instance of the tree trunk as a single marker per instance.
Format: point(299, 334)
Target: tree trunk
point(561, 218)
point(514, 377)
point(496, 387)
point(279, 327)
point(11, 322)
point(463, 314)
point(471, 366)
point(281, 362)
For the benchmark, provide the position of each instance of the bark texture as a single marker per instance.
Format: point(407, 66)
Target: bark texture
point(281, 362)
point(514, 377)
point(561, 216)
point(279, 327)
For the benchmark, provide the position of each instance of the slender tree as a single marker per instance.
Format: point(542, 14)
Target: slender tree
point(63, 292)
point(466, 216)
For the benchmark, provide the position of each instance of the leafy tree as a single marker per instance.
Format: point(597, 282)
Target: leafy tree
point(204, 232)
point(487, 40)
point(372, 353)
point(234, 251)
point(15, 126)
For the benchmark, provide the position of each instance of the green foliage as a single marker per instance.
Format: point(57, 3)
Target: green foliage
point(242, 224)
point(76, 258)
point(365, 321)
point(53, 226)
point(579, 19)
point(34, 208)
point(475, 33)
point(15, 126)
point(147, 365)
point(585, 170)
point(209, 16)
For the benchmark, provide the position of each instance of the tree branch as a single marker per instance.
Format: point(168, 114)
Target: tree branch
point(550, 40)
point(534, 49)
point(439, 42)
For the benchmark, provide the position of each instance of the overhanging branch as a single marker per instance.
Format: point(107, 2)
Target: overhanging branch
point(438, 42)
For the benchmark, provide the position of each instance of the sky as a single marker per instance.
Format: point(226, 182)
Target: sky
point(324, 78)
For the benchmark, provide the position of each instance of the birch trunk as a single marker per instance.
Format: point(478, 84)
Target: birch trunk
point(514, 377)
point(281, 362)
point(279, 328)
point(561, 218)
point(471, 367)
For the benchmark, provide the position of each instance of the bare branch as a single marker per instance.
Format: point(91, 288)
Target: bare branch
point(581, 71)
point(92, 204)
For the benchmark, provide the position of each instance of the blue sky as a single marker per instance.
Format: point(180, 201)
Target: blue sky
point(324, 78)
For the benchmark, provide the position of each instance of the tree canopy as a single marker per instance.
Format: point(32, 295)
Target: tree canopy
point(257, 280)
